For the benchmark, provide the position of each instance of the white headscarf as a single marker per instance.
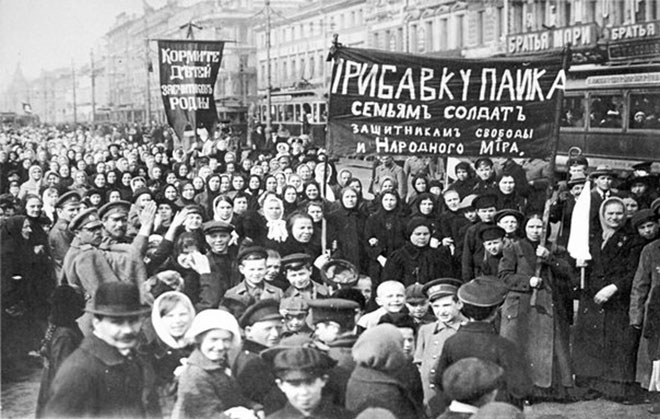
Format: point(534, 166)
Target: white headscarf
point(607, 230)
point(276, 227)
point(159, 327)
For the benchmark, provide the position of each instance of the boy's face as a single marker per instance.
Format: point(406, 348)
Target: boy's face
point(576, 190)
point(446, 308)
point(294, 322)
point(604, 182)
point(470, 214)
point(273, 265)
point(484, 171)
point(408, 341)
point(391, 298)
point(486, 215)
point(364, 286)
point(494, 247)
point(304, 395)
point(253, 270)
point(299, 278)
point(418, 309)
point(461, 174)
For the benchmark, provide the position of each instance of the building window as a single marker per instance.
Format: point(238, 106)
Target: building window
point(285, 72)
point(480, 27)
point(499, 24)
point(311, 67)
point(413, 45)
point(353, 22)
point(399, 39)
point(459, 31)
point(303, 70)
point(376, 40)
point(429, 35)
point(444, 33)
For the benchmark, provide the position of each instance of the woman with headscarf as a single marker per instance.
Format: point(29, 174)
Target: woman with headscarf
point(34, 183)
point(125, 186)
point(507, 196)
point(290, 199)
point(346, 230)
point(418, 185)
point(425, 205)
point(266, 227)
point(312, 193)
point(385, 231)
point(206, 386)
point(206, 198)
point(465, 181)
point(605, 344)
point(254, 189)
point(417, 261)
point(541, 330)
point(186, 194)
point(165, 343)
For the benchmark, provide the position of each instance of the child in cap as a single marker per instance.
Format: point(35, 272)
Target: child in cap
point(252, 266)
point(470, 383)
point(297, 268)
point(390, 296)
point(417, 305)
point(295, 311)
point(478, 338)
point(431, 337)
point(302, 374)
point(492, 238)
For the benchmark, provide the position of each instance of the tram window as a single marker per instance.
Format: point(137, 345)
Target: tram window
point(573, 112)
point(644, 111)
point(606, 111)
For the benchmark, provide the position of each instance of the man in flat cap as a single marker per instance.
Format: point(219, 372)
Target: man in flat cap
point(470, 383)
point(262, 326)
point(432, 337)
point(221, 257)
point(302, 374)
point(473, 250)
point(492, 239)
point(106, 377)
point(252, 266)
point(297, 268)
point(478, 338)
point(60, 237)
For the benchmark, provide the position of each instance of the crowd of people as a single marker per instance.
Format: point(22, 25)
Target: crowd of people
point(155, 280)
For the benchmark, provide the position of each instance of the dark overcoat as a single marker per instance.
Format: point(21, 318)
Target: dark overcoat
point(541, 332)
point(605, 345)
point(97, 381)
point(411, 264)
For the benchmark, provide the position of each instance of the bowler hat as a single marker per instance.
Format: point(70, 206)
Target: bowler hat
point(339, 272)
point(482, 292)
point(117, 299)
point(441, 287)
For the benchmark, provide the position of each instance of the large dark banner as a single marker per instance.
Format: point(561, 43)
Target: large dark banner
point(393, 103)
point(188, 70)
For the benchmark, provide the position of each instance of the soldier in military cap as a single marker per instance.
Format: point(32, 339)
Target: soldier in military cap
point(297, 268)
point(431, 337)
point(262, 326)
point(302, 374)
point(473, 251)
point(60, 237)
point(470, 384)
point(114, 216)
point(478, 338)
point(252, 266)
point(295, 311)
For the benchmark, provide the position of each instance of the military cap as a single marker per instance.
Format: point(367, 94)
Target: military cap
point(293, 306)
point(194, 209)
point(400, 320)
point(506, 212)
point(483, 160)
point(577, 179)
point(642, 216)
point(485, 201)
point(482, 292)
point(603, 170)
point(470, 378)
point(298, 363)
point(655, 205)
point(295, 261)
point(577, 161)
point(645, 166)
point(415, 293)
point(114, 207)
point(141, 191)
point(71, 197)
point(217, 226)
point(252, 253)
point(339, 272)
point(261, 311)
point(88, 218)
point(491, 232)
point(334, 309)
point(441, 287)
